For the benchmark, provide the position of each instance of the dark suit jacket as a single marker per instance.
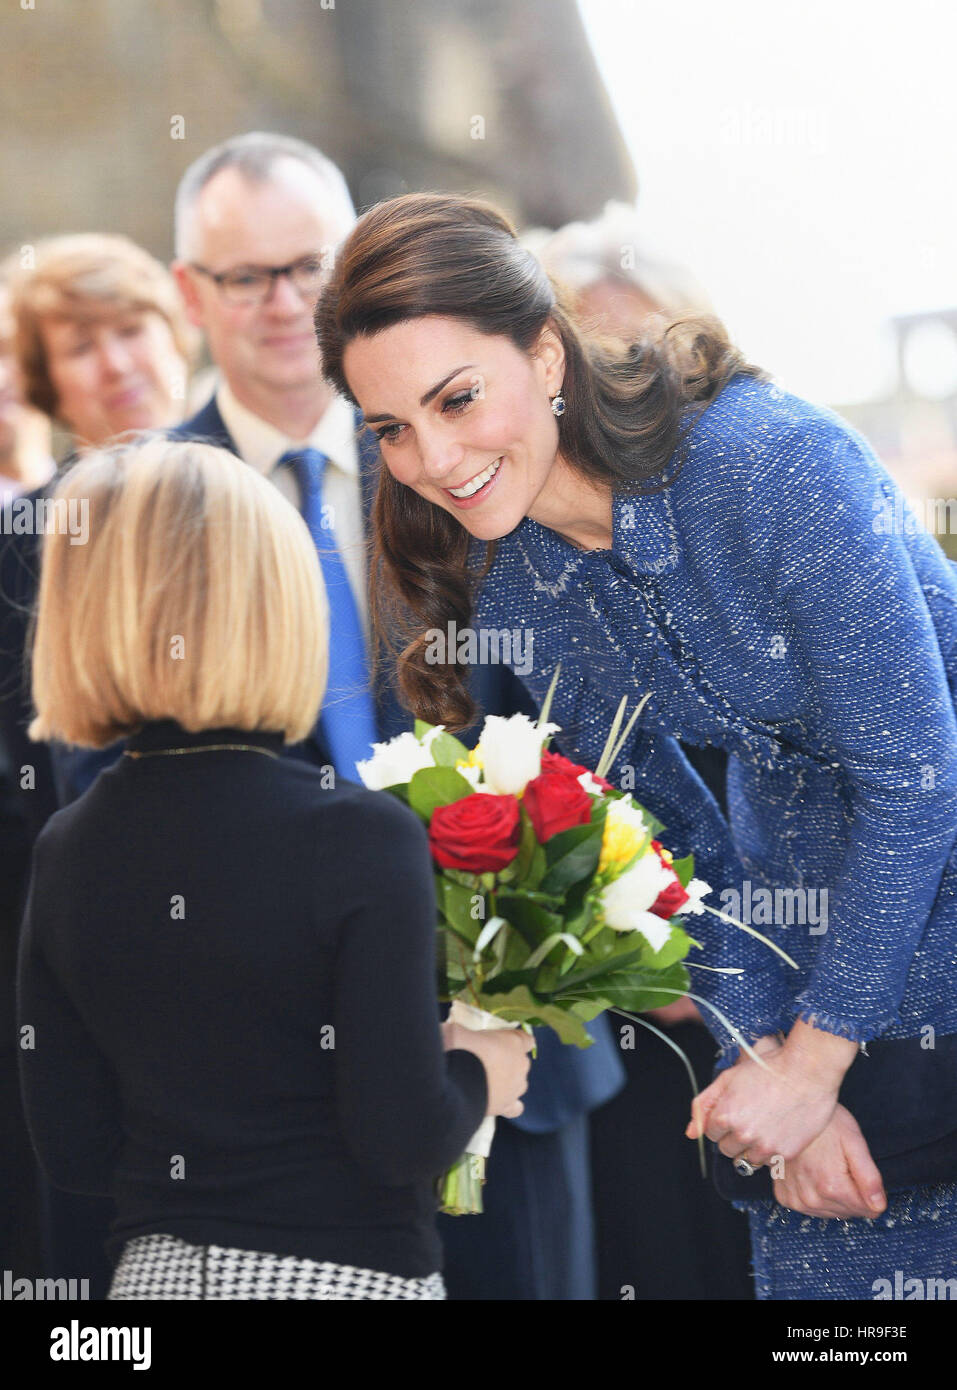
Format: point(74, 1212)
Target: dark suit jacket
point(19, 570)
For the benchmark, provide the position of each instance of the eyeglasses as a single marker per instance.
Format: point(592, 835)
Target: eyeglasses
point(254, 284)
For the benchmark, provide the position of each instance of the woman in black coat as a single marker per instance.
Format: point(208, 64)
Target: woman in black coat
point(227, 1004)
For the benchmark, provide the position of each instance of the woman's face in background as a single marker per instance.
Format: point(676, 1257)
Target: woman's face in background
point(462, 417)
point(115, 374)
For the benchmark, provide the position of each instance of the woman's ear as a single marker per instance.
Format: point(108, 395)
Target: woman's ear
point(550, 351)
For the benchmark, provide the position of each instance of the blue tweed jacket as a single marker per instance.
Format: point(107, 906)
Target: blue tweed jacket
point(779, 600)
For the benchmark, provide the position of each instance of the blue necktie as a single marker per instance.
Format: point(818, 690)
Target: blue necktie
point(347, 721)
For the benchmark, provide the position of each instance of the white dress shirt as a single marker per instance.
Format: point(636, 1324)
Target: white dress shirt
point(262, 445)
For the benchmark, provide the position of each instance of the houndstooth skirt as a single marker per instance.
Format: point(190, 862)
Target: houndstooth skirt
point(163, 1267)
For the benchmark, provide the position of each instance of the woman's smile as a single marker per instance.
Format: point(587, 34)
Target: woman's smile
point(477, 488)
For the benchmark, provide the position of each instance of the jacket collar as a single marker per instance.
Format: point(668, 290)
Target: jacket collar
point(645, 540)
point(167, 733)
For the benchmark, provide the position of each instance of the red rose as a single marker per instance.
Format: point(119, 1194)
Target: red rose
point(556, 800)
point(478, 834)
point(670, 899)
point(555, 762)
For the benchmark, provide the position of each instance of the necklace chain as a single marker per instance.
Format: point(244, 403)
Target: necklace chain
point(206, 748)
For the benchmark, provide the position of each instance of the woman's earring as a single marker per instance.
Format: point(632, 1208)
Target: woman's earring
point(558, 404)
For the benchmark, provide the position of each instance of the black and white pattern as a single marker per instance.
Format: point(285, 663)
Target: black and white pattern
point(163, 1267)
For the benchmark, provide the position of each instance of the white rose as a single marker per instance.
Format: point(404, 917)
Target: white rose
point(396, 761)
point(511, 752)
point(473, 775)
point(627, 900)
point(623, 811)
point(587, 781)
point(697, 889)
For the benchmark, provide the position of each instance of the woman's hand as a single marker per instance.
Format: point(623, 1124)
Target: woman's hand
point(775, 1110)
point(681, 1011)
point(835, 1175)
point(504, 1055)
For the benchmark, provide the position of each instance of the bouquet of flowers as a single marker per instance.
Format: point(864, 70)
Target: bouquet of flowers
point(556, 900)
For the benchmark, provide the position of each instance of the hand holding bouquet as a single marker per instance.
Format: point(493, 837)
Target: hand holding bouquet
point(556, 900)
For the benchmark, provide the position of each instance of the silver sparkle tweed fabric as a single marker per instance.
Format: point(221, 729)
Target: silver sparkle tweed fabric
point(166, 1269)
point(774, 603)
point(909, 1252)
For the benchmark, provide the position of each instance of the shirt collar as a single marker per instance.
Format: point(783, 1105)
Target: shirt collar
point(262, 445)
point(645, 540)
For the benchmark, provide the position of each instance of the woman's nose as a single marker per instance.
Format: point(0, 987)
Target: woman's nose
point(114, 355)
point(440, 457)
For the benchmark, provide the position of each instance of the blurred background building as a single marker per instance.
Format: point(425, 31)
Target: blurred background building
point(762, 173)
point(107, 101)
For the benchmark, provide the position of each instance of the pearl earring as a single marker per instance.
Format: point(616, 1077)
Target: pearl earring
point(558, 404)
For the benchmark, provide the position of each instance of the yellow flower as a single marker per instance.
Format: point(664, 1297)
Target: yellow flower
point(619, 843)
point(625, 832)
point(474, 759)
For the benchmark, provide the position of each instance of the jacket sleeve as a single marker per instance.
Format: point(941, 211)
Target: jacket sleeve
point(870, 652)
point(407, 1108)
point(71, 1101)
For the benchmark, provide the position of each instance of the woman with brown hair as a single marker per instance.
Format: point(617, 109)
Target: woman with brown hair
point(662, 518)
point(102, 337)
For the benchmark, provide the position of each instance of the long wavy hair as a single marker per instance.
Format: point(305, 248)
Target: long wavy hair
point(626, 404)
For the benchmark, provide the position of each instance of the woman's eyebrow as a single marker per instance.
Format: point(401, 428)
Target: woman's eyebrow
point(429, 395)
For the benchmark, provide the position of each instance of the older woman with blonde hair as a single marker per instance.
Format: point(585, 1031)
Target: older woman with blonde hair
point(103, 348)
point(103, 341)
point(226, 963)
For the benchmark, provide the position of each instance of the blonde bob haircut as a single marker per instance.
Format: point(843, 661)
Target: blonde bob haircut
point(196, 597)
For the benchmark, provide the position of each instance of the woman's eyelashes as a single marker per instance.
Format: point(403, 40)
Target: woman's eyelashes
point(455, 405)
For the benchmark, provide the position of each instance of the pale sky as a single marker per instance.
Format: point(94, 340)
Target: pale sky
point(800, 157)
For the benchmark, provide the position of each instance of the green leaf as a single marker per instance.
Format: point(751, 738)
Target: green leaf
point(549, 696)
point(675, 948)
point(455, 902)
point(572, 856)
point(436, 786)
point(587, 1009)
point(446, 750)
point(637, 990)
point(614, 743)
point(529, 864)
point(520, 1005)
point(535, 920)
point(400, 790)
point(467, 880)
point(578, 909)
point(684, 868)
point(422, 728)
point(579, 979)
